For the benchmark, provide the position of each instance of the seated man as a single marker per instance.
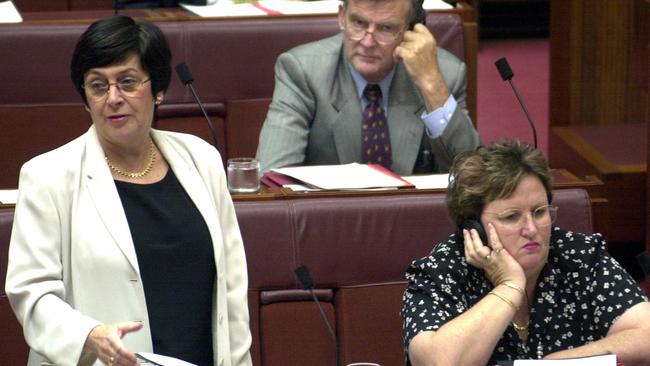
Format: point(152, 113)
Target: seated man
point(328, 107)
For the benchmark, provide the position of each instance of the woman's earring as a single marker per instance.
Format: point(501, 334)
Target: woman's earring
point(158, 100)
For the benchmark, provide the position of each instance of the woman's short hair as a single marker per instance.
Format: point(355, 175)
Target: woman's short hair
point(490, 173)
point(112, 40)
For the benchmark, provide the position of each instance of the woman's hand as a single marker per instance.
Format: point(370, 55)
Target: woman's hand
point(498, 264)
point(105, 342)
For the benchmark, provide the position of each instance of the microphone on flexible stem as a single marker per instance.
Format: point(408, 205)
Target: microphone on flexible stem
point(186, 77)
point(506, 74)
point(644, 262)
point(307, 283)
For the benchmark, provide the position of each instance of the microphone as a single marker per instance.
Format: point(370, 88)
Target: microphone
point(186, 77)
point(644, 261)
point(506, 74)
point(307, 283)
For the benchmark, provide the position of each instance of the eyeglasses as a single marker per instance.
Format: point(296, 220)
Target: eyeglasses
point(543, 216)
point(384, 34)
point(129, 87)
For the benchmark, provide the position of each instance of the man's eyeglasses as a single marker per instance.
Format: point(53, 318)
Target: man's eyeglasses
point(129, 87)
point(543, 216)
point(384, 34)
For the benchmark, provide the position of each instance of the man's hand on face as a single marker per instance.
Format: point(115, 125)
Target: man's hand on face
point(419, 54)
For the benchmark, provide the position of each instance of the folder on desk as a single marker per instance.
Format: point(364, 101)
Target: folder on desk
point(339, 177)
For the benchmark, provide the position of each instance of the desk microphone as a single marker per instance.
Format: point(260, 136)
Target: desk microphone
point(307, 283)
point(644, 262)
point(506, 74)
point(186, 77)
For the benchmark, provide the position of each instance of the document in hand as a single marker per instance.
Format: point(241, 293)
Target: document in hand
point(346, 176)
point(600, 360)
point(153, 359)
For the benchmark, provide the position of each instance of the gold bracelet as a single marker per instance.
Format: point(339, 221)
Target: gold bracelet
point(505, 299)
point(514, 287)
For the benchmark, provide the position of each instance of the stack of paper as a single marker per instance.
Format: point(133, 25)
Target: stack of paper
point(8, 196)
point(225, 8)
point(9, 13)
point(146, 358)
point(337, 177)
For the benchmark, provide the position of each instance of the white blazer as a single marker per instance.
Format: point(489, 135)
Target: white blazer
point(72, 263)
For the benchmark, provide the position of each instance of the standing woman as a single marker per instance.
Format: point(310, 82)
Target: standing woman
point(126, 239)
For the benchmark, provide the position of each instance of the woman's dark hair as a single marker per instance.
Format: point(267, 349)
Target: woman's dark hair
point(112, 40)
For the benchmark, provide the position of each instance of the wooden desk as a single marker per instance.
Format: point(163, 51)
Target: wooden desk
point(562, 179)
point(617, 155)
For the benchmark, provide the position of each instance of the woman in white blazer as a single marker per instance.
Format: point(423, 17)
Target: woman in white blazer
point(125, 240)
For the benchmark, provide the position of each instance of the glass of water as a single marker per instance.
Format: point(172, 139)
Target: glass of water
point(243, 175)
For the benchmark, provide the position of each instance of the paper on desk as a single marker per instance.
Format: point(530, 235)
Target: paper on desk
point(600, 360)
point(9, 13)
point(226, 8)
point(346, 176)
point(8, 196)
point(147, 358)
point(431, 181)
point(301, 7)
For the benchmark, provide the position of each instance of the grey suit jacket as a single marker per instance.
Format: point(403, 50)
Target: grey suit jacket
point(315, 115)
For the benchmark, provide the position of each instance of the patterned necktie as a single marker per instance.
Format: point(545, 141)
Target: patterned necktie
point(375, 138)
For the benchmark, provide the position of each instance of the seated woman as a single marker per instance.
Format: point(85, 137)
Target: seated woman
point(522, 289)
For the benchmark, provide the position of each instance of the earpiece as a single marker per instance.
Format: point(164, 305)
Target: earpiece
point(420, 16)
point(474, 224)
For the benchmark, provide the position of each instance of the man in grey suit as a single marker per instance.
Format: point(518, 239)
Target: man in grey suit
point(316, 113)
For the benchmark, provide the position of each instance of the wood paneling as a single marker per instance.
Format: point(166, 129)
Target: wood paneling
point(591, 52)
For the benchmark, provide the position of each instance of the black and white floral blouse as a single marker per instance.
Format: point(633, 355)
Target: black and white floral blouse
point(580, 293)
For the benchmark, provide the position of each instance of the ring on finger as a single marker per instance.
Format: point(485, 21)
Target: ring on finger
point(497, 251)
point(487, 257)
point(111, 360)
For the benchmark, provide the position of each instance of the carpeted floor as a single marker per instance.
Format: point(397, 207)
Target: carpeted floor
point(499, 113)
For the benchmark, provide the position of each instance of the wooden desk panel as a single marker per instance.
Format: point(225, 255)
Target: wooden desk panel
point(591, 54)
point(562, 179)
point(617, 155)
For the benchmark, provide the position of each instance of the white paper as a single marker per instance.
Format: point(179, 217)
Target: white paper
point(431, 181)
point(299, 188)
point(161, 360)
point(226, 8)
point(436, 4)
point(9, 13)
point(302, 7)
point(346, 176)
point(600, 360)
point(8, 196)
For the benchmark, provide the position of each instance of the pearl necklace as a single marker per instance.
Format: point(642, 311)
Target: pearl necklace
point(134, 175)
